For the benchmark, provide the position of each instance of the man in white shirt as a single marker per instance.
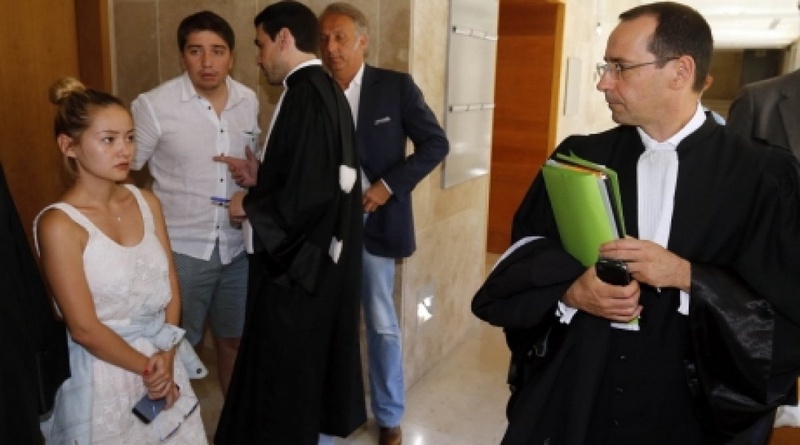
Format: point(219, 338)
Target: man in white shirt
point(180, 126)
point(389, 109)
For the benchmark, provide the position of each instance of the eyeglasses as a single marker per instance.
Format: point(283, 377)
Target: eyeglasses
point(615, 69)
point(189, 404)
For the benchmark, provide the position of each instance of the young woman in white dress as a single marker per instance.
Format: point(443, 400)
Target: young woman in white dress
point(105, 253)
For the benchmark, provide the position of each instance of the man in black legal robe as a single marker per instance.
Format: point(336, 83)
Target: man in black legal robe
point(714, 253)
point(298, 372)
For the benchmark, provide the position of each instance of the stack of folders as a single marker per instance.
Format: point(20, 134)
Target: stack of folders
point(587, 207)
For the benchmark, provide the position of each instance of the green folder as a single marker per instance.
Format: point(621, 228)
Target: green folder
point(586, 204)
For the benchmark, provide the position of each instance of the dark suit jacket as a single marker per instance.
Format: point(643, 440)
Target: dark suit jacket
point(769, 111)
point(390, 110)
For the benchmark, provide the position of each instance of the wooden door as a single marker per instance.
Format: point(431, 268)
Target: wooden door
point(39, 43)
point(526, 103)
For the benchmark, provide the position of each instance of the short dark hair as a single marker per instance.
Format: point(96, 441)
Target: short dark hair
point(205, 21)
point(681, 31)
point(294, 16)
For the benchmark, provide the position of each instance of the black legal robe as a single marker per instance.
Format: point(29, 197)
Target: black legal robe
point(298, 371)
point(33, 342)
point(705, 378)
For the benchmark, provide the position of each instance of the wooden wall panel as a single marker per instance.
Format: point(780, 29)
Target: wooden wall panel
point(526, 94)
point(38, 43)
point(94, 48)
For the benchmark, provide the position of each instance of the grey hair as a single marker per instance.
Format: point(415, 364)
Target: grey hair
point(346, 9)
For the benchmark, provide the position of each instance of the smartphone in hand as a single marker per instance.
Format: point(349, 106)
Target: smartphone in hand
point(613, 271)
point(147, 409)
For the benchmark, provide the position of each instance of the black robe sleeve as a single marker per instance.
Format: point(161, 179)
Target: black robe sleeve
point(505, 298)
point(732, 337)
point(520, 295)
point(744, 317)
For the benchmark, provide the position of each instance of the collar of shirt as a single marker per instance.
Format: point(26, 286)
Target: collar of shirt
point(298, 67)
point(657, 176)
point(353, 93)
point(357, 80)
point(694, 123)
point(188, 91)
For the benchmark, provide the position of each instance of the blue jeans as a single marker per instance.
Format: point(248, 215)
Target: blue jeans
point(384, 343)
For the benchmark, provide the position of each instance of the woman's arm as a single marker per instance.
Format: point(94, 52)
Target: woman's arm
point(61, 243)
point(173, 310)
point(161, 381)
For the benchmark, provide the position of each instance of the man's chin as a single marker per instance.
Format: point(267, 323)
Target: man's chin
point(209, 86)
point(273, 82)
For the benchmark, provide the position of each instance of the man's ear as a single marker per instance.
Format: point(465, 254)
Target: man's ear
point(285, 38)
point(180, 61)
point(363, 41)
point(684, 71)
point(66, 145)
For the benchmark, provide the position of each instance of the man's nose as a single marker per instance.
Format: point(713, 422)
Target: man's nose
point(604, 82)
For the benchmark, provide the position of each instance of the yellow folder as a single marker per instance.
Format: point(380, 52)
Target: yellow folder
point(586, 205)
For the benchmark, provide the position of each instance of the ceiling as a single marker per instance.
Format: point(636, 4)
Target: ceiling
point(750, 23)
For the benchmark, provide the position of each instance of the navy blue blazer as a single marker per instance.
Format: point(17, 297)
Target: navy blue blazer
point(390, 110)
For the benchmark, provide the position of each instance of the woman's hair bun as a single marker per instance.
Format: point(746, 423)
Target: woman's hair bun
point(64, 87)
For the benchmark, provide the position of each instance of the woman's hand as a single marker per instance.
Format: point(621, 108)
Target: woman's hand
point(173, 395)
point(159, 379)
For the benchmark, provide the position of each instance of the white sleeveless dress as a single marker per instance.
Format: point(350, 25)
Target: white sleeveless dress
point(128, 283)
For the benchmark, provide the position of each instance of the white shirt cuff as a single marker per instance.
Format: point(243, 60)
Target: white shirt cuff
point(684, 306)
point(387, 186)
point(565, 313)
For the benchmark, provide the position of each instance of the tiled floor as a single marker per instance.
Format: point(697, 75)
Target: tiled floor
point(460, 402)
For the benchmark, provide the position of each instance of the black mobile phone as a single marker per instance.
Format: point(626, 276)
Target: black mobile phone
point(613, 271)
point(147, 409)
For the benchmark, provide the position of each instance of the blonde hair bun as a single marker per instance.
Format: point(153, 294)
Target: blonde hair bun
point(65, 87)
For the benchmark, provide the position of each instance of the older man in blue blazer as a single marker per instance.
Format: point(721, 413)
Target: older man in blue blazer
point(769, 110)
point(388, 108)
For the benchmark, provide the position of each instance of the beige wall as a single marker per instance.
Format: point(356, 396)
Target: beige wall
point(450, 223)
point(581, 40)
point(407, 35)
point(584, 42)
point(145, 49)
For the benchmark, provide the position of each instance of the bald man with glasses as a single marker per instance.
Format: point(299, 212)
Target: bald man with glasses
point(714, 230)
